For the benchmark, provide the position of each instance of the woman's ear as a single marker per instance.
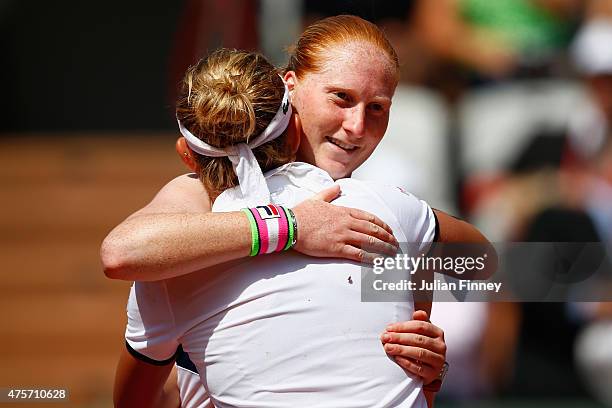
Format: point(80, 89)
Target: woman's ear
point(186, 154)
point(294, 130)
point(290, 79)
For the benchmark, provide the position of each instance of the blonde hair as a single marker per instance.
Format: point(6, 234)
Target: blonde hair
point(226, 99)
point(307, 55)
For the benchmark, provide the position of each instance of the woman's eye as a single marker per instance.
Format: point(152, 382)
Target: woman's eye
point(342, 95)
point(376, 107)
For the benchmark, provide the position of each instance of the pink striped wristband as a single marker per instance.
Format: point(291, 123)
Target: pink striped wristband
point(273, 228)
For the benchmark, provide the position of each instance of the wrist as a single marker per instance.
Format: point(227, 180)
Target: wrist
point(433, 386)
point(273, 228)
point(436, 384)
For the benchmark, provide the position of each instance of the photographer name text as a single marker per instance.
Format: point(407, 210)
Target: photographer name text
point(436, 285)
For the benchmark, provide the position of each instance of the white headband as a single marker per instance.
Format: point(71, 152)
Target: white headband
point(252, 182)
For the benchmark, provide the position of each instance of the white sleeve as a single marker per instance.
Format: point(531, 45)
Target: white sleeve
point(416, 218)
point(151, 333)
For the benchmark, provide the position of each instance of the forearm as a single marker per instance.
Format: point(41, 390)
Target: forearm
point(159, 246)
point(460, 239)
point(454, 230)
point(429, 396)
point(169, 238)
point(170, 396)
point(138, 384)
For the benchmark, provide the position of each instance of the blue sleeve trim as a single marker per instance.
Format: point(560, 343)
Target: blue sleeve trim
point(437, 230)
point(183, 361)
point(149, 360)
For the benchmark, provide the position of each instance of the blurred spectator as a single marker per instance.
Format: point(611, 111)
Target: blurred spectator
point(560, 189)
point(503, 207)
point(589, 179)
point(516, 48)
point(496, 39)
point(592, 53)
point(588, 175)
point(548, 334)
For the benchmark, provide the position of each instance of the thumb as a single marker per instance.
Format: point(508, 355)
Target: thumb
point(328, 194)
point(420, 315)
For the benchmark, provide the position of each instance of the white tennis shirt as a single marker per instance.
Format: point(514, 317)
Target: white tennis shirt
point(287, 330)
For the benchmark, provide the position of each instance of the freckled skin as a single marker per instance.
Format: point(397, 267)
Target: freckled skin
point(347, 102)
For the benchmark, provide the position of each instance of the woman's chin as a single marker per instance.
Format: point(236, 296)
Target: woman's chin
point(335, 170)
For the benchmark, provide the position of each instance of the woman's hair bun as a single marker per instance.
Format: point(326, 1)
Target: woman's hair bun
point(229, 98)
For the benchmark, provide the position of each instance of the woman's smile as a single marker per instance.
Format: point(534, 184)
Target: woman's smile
point(347, 147)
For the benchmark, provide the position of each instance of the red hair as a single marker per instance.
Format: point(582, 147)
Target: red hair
point(308, 53)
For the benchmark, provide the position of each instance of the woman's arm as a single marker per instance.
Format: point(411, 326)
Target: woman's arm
point(171, 395)
point(417, 345)
point(177, 234)
point(174, 234)
point(464, 240)
point(140, 385)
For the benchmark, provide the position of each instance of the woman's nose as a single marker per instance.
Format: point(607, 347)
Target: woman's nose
point(354, 122)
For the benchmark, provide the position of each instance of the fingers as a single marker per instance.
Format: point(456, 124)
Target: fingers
point(420, 315)
point(426, 372)
point(431, 350)
point(328, 194)
point(375, 231)
point(354, 253)
point(371, 244)
point(341, 232)
point(416, 353)
point(424, 328)
point(417, 346)
point(371, 218)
